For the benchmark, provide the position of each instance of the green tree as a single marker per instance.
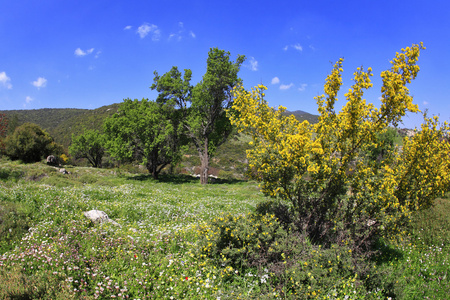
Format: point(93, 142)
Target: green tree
point(30, 144)
point(385, 142)
point(89, 145)
point(203, 106)
point(147, 132)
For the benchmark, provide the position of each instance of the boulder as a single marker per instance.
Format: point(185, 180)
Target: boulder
point(99, 217)
point(64, 171)
point(51, 160)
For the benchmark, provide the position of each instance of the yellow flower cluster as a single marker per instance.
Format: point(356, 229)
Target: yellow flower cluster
point(326, 167)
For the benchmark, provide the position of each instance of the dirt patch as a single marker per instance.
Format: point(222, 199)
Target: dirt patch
point(37, 177)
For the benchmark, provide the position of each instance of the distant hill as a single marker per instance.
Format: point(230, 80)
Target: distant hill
point(60, 123)
point(302, 116)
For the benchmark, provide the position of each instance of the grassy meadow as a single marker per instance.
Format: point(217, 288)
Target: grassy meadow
point(180, 240)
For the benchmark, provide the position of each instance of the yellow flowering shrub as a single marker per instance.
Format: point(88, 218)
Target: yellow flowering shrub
point(326, 170)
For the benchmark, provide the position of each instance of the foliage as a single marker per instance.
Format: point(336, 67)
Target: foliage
point(326, 170)
point(90, 145)
point(30, 143)
point(145, 131)
point(385, 142)
point(3, 131)
point(63, 158)
point(203, 105)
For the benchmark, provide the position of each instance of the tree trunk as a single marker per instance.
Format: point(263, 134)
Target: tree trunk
point(152, 169)
point(204, 158)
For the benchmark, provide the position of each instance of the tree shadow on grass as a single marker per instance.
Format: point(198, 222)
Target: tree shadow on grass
point(182, 179)
point(386, 253)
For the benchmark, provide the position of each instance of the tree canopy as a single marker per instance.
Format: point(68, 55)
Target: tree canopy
point(30, 144)
point(147, 132)
point(203, 106)
point(90, 145)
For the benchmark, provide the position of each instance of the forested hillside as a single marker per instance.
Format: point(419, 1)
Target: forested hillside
point(60, 123)
point(229, 162)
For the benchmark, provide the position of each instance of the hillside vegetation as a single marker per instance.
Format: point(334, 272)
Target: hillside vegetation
point(229, 162)
point(171, 243)
point(61, 123)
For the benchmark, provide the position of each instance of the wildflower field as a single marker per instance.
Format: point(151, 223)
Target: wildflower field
point(178, 239)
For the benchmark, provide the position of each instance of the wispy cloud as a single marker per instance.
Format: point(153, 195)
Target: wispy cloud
point(28, 99)
point(5, 80)
point(286, 86)
point(302, 87)
point(145, 29)
point(78, 52)
point(253, 64)
point(275, 80)
point(127, 27)
point(40, 82)
point(181, 33)
point(297, 47)
point(425, 102)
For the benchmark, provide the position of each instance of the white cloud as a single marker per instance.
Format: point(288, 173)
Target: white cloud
point(286, 86)
point(40, 82)
point(146, 28)
point(97, 55)
point(28, 99)
point(253, 64)
point(5, 80)
point(302, 87)
point(128, 27)
point(297, 47)
point(79, 52)
point(275, 80)
point(425, 103)
point(181, 33)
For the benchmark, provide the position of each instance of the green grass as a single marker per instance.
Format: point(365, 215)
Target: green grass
point(169, 231)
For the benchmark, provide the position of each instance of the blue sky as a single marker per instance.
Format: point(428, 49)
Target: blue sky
point(87, 54)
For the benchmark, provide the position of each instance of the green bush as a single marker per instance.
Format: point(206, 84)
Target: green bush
point(243, 241)
point(30, 143)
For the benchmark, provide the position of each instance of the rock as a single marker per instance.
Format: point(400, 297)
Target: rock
point(99, 217)
point(64, 171)
point(51, 160)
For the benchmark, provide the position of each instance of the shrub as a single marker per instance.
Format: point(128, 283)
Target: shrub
point(30, 143)
point(327, 171)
